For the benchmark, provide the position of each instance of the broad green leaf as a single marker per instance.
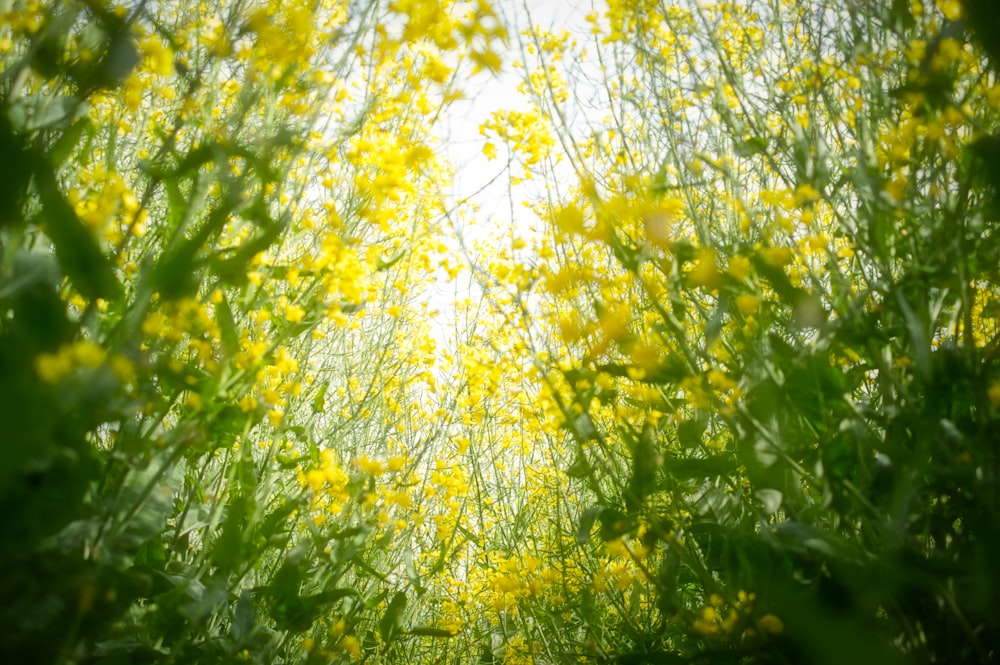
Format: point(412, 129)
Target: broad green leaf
point(206, 603)
point(79, 254)
point(789, 294)
point(646, 461)
point(54, 113)
point(586, 525)
point(429, 631)
point(66, 144)
point(319, 400)
point(580, 468)
point(754, 145)
point(229, 545)
point(227, 326)
point(614, 524)
point(691, 468)
point(391, 623)
point(15, 174)
point(244, 617)
point(412, 575)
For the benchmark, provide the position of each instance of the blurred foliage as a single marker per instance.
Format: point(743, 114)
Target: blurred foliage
point(735, 398)
point(771, 331)
point(169, 267)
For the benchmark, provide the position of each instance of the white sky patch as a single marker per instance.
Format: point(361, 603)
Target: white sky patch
point(477, 178)
point(487, 206)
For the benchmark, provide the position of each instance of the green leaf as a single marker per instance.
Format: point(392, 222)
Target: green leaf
point(412, 575)
point(919, 341)
point(298, 613)
point(391, 622)
point(200, 154)
point(984, 20)
point(176, 204)
point(803, 538)
point(227, 326)
point(15, 173)
point(247, 476)
point(288, 461)
point(229, 545)
point(754, 145)
point(233, 269)
point(48, 52)
point(646, 460)
point(579, 468)
point(176, 274)
point(77, 250)
point(55, 112)
point(770, 498)
point(205, 603)
point(225, 425)
point(276, 520)
point(668, 600)
point(700, 468)
point(119, 60)
point(587, 521)
point(244, 617)
point(428, 631)
point(691, 433)
point(319, 401)
point(614, 524)
point(790, 294)
point(329, 596)
point(68, 142)
point(385, 264)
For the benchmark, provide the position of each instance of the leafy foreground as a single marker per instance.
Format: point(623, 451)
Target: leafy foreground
point(725, 388)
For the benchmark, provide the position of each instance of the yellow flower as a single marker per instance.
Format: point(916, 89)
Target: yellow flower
point(194, 401)
point(248, 403)
point(350, 645)
point(122, 368)
point(952, 9)
point(747, 304)
point(570, 220)
point(370, 466)
point(739, 267)
point(658, 222)
point(154, 323)
point(294, 314)
point(53, 367)
point(805, 194)
point(993, 392)
point(777, 256)
point(485, 60)
point(771, 624)
point(704, 273)
point(316, 479)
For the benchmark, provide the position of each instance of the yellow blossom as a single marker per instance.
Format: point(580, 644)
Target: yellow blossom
point(705, 272)
point(769, 623)
point(993, 393)
point(53, 367)
point(747, 303)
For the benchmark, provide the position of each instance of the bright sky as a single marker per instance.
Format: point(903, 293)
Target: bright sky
point(477, 178)
point(485, 94)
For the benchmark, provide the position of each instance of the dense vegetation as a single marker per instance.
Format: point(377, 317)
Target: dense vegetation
point(722, 385)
